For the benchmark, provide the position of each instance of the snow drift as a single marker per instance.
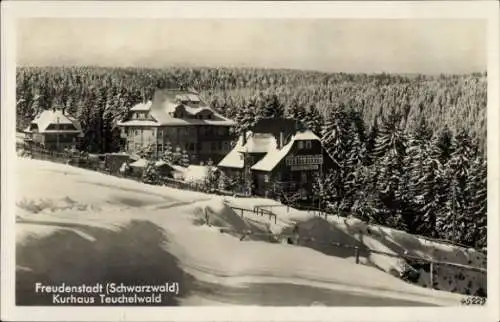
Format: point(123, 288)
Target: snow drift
point(80, 226)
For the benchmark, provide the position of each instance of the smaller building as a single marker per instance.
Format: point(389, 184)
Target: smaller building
point(278, 156)
point(54, 130)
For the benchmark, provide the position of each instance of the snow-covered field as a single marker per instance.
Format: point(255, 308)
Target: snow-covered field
point(79, 226)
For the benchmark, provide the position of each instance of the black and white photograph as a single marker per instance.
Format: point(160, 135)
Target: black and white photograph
point(258, 161)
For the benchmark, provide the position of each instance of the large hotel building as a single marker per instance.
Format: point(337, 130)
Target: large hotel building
point(183, 120)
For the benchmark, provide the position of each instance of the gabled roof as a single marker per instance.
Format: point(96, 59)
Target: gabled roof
point(305, 136)
point(263, 143)
point(48, 117)
point(273, 157)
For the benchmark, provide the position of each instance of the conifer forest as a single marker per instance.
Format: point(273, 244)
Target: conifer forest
point(410, 149)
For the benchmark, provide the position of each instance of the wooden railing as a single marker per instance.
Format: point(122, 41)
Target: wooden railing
point(261, 212)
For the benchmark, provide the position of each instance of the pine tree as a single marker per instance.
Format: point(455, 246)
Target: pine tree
point(246, 120)
point(370, 143)
point(150, 173)
point(184, 159)
point(177, 156)
point(476, 224)
point(390, 148)
point(296, 111)
point(336, 136)
point(313, 120)
point(391, 136)
point(325, 189)
point(168, 155)
point(443, 143)
point(453, 225)
point(423, 132)
point(271, 108)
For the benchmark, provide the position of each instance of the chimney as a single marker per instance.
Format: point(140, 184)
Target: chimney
point(244, 137)
point(281, 140)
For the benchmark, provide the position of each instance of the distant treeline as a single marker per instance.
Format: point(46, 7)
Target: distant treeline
point(410, 148)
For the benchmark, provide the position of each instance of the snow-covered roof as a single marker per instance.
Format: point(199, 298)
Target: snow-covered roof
point(306, 136)
point(142, 106)
point(198, 173)
point(178, 168)
point(194, 110)
point(141, 163)
point(234, 158)
point(48, 117)
point(273, 157)
point(160, 163)
point(259, 143)
point(165, 103)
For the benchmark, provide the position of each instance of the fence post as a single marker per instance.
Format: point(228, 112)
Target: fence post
point(242, 213)
point(431, 273)
point(275, 219)
point(356, 254)
point(206, 216)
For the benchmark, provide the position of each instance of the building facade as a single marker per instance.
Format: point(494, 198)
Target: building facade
point(178, 119)
point(54, 130)
point(278, 157)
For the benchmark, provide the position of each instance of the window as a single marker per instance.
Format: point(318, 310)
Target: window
point(301, 145)
point(160, 133)
point(160, 147)
point(266, 178)
point(303, 177)
point(308, 144)
point(221, 131)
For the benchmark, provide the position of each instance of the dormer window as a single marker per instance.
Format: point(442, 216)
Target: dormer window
point(301, 145)
point(308, 144)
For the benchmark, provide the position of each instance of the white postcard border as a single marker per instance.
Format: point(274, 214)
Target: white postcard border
point(204, 9)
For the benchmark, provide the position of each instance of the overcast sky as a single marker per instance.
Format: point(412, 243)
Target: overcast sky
point(406, 46)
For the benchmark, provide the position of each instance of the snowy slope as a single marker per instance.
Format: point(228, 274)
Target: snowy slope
point(351, 231)
point(78, 225)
